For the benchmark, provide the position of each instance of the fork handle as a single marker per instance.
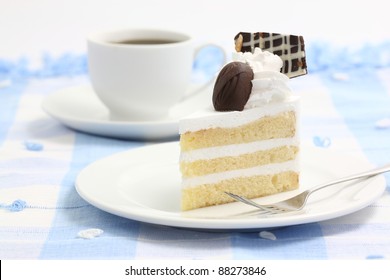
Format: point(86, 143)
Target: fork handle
point(365, 174)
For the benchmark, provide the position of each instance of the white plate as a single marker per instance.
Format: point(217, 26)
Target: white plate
point(144, 184)
point(80, 109)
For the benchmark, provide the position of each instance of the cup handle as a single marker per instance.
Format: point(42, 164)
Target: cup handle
point(210, 81)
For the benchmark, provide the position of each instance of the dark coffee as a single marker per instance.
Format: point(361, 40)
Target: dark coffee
point(146, 42)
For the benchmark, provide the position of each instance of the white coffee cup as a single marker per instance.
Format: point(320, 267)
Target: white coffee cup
point(139, 74)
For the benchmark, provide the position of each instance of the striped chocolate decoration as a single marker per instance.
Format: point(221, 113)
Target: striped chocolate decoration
point(290, 48)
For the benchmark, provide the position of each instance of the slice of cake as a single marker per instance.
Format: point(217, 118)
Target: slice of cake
point(248, 143)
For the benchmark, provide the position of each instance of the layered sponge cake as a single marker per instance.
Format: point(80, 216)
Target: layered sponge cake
point(251, 153)
point(247, 143)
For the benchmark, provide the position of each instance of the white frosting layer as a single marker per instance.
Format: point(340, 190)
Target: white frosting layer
point(260, 60)
point(268, 84)
point(209, 118)
point(237, 149)
point(268, 87)
point(263, 170)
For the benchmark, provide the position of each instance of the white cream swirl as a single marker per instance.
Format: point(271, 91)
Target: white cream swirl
point(269, 85)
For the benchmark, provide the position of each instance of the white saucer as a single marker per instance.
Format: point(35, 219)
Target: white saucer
point(80, 109)
point(144, 184)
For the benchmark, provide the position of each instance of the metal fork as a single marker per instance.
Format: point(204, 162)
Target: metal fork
point(298, 202)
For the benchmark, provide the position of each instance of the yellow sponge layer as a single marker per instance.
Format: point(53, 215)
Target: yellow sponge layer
point(270, 127)
point(250, 187)
point(204, 167)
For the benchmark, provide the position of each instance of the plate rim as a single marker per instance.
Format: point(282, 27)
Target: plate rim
point(123, 130)
point(198, 223)
point(47, 100)
point(144, 130)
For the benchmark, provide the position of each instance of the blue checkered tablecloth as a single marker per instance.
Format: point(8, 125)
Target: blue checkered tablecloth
point(346, 108)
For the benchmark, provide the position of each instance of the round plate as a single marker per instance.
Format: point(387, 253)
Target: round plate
point(80, 109)
point(144, 184)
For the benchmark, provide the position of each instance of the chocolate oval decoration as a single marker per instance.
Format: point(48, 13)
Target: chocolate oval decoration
point(233, 87)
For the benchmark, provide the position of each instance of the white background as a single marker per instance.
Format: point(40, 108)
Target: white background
point(31, 27)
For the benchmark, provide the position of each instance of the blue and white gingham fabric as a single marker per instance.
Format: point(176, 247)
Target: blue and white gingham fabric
point(346, 108)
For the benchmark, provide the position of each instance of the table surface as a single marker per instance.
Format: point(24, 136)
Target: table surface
point(345, 110)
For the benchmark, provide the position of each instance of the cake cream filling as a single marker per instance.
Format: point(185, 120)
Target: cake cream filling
point(237, 149)
point(270, 169)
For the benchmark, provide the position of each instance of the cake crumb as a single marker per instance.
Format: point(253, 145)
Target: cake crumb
point(267, 235)
point(383, 123)
point(90, 233)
